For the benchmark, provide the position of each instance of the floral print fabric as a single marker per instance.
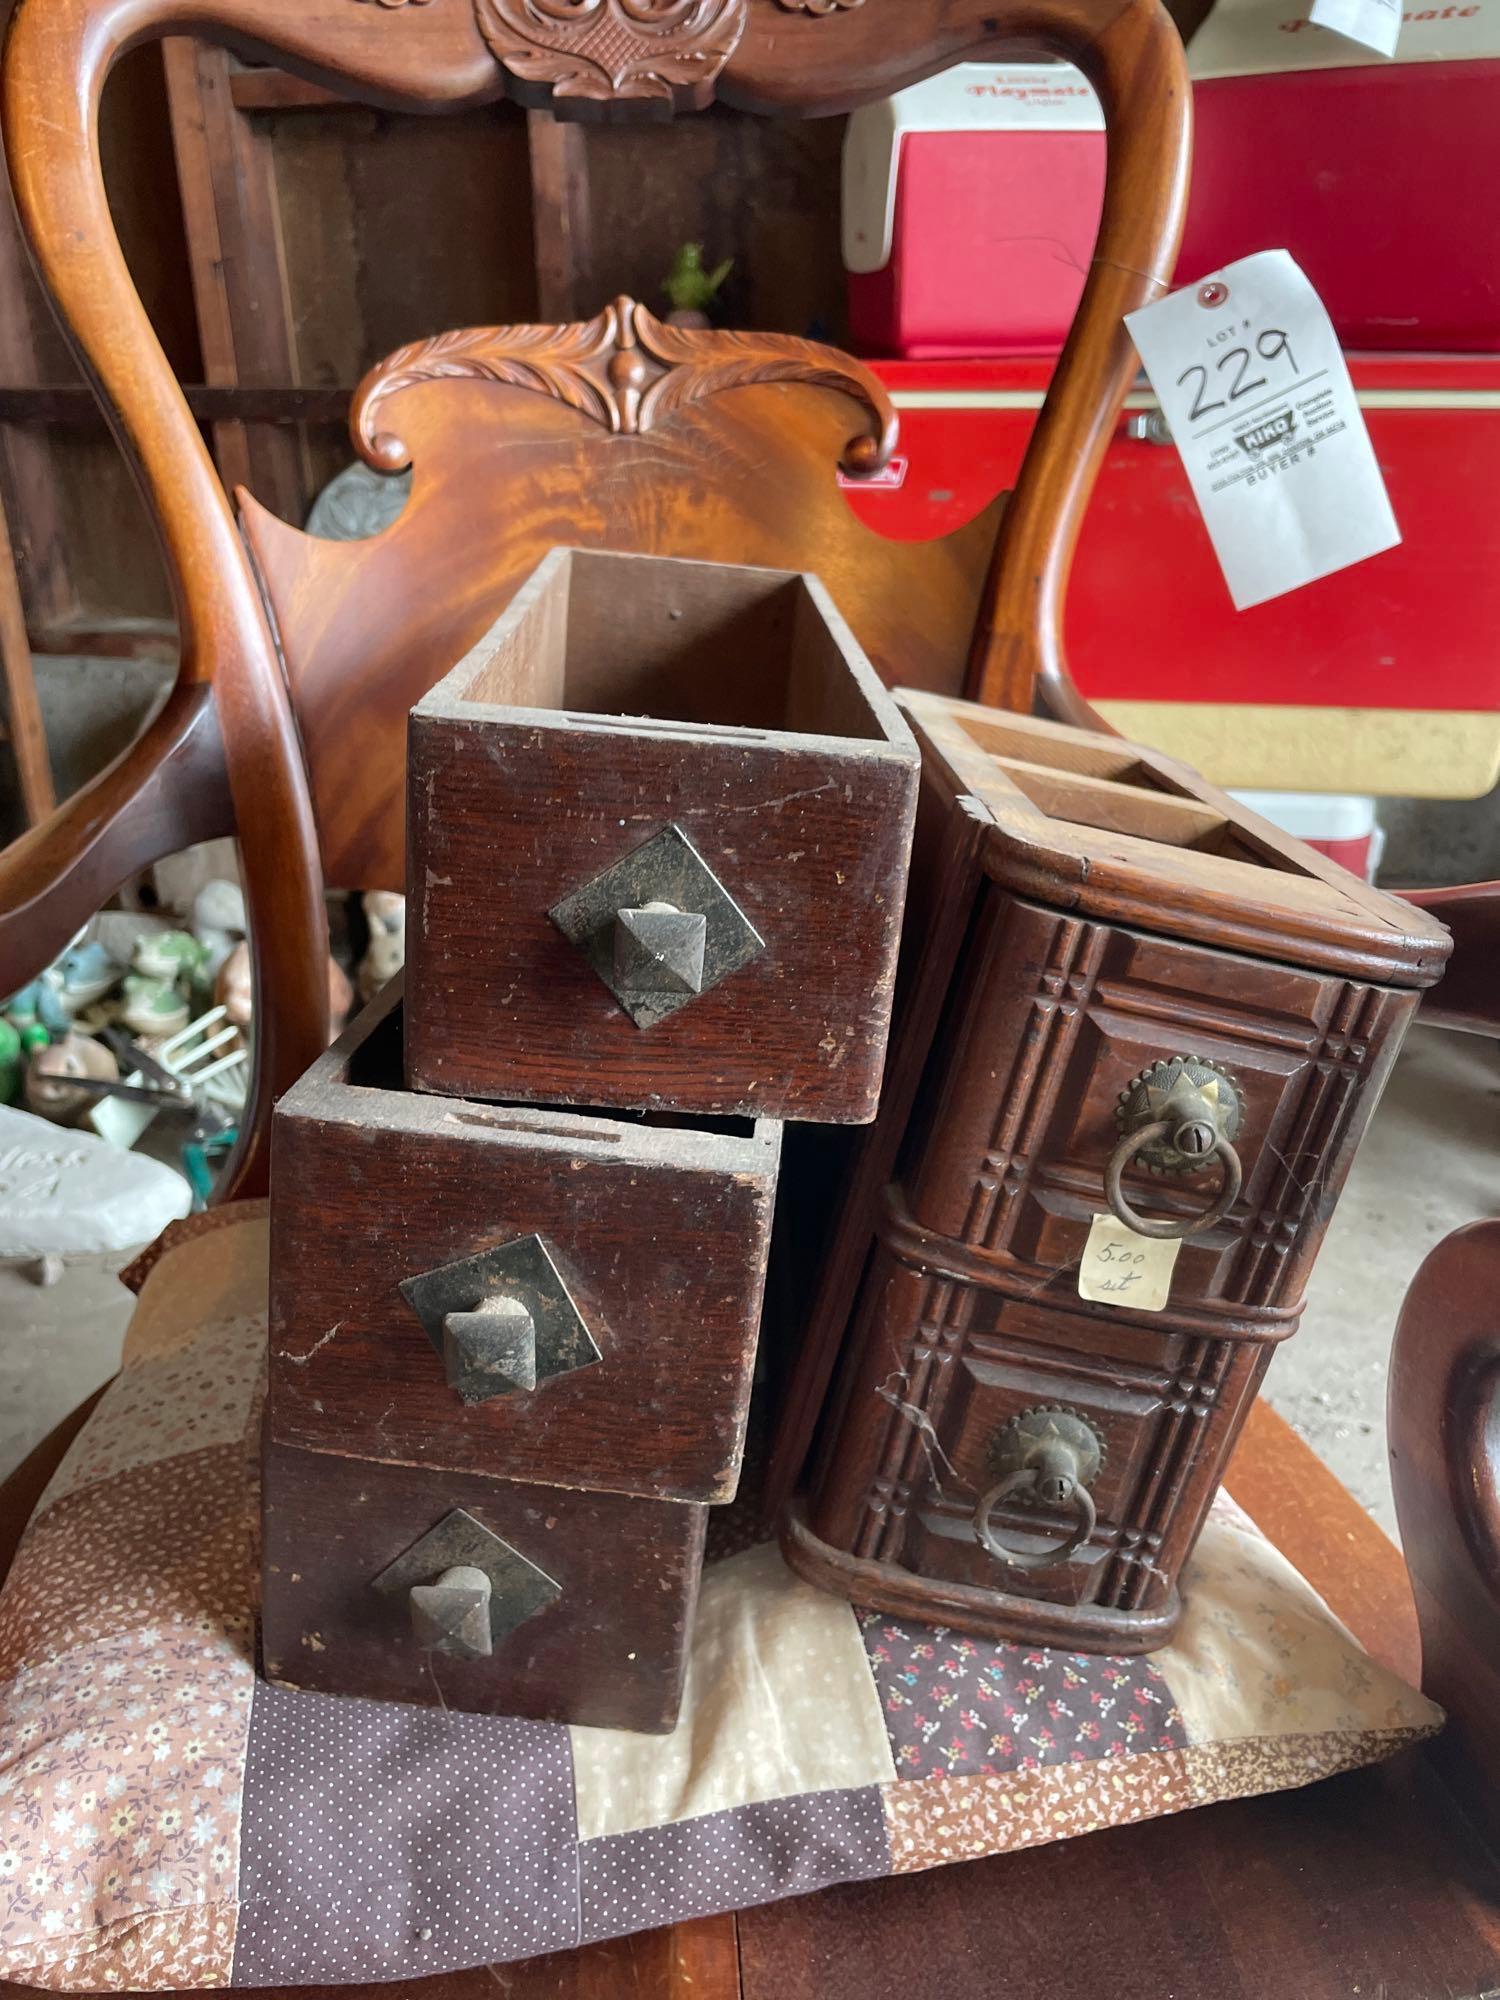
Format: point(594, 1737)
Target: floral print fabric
point(126, 1650)
point(120, 1793)
point(959, 1707)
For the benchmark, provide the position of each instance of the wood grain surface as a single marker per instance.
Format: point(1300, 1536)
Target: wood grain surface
point(731, 704)
point(1367, 1884)
point(501, 475)
point(609, 1651)
point(968, 1318)
point(1112, 829)
point(1445, 1469)
point(660, 1230)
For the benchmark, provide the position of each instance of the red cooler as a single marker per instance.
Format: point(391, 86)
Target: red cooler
point(1383, 679)
point(1380, 175)
point(971, 203)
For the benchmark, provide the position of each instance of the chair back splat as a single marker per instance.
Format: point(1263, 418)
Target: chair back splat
point(289, 720)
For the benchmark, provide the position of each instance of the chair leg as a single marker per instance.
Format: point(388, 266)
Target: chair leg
point(28, 739)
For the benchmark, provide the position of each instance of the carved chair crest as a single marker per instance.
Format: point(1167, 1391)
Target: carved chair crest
point(609, 50)
point(625, 369)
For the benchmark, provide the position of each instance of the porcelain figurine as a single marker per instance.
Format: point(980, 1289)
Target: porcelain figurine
point(153, 1006)
point(39, 1005)
point(218, 923)
point(385, 912)
point(234, 991)
point(169, 955)
point(10, 1062)
point(692, 287)
point(47, 1091)
point(88, 974)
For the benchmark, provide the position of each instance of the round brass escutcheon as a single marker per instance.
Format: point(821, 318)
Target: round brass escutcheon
point(1054, 1454)
point(1174, 1118)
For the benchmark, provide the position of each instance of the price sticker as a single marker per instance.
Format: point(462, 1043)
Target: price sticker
point(1120, 1268)
point(1376, 23)
point(1252, 384)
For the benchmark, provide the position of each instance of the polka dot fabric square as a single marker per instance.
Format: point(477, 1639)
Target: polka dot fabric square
point(384, 1841)
point(730, 1860)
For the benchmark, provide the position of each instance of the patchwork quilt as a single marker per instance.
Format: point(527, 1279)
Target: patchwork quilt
point(169, 1820)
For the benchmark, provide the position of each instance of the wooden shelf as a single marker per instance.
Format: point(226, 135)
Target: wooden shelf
point(274, 90)
point(75, 403)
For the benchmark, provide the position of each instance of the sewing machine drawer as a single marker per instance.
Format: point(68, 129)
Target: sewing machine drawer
point(576, 1606)
point(659, 825)
point(958, 1391)
point(1070, 1043)
point(543, 1296)
point(1138, 1007)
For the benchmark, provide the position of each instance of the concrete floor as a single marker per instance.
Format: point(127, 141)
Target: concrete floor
point(1428, 1164)
point(57, 1344)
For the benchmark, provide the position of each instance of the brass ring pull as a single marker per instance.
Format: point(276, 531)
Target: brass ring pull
point(1193, 1225)
point(1029, 1478)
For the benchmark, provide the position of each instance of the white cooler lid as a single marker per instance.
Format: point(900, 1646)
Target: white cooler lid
point(1314, 815)
point(1266, 37)
point(970, 97)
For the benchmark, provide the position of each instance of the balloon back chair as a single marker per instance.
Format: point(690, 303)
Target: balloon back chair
point(300, 658)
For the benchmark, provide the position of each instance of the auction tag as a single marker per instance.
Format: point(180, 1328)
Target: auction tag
point(1120, 1268)
point(1376, 23)
point(1253, 386)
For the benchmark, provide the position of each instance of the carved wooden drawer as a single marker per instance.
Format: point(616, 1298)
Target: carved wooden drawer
point(1074, 1015)
point(1127, 994)
point(659, 825)
point(981, 1371)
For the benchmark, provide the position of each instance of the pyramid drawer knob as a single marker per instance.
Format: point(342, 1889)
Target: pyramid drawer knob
point(503, 1320)
point(490, 1349)
point(453, 1615)
point(659, 949)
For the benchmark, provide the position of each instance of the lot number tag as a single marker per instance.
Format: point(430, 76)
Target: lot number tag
point(1376, 23)
point(1253, 386)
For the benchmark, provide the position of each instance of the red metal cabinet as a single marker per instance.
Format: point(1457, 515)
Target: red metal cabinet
point(1382, 678)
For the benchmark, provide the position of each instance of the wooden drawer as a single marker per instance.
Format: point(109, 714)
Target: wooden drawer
point(1121, 969)
point(635, 1250)
point(1054, 1018)
point(603, 1587)
point(659, 829)
point(901, 1487)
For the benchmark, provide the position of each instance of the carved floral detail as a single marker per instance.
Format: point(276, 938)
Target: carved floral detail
point(624, 369)
point(607, 49)
point(792, 6)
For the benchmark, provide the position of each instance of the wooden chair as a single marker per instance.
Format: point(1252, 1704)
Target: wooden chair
point(286, 725)
point(1378, 1883)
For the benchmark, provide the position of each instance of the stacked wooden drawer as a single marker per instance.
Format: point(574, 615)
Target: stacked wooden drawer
point(658, 827)
point(1142, 1033)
